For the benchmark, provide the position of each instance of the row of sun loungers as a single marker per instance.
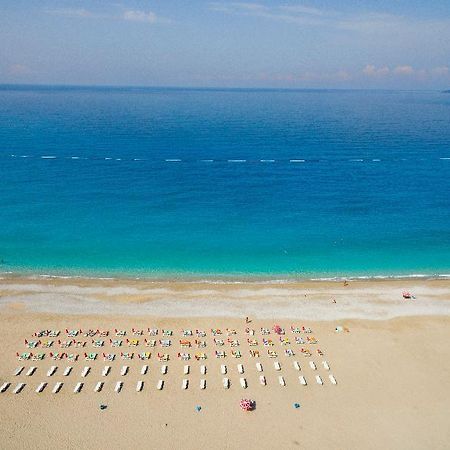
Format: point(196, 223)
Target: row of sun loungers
point(164, 332)
point(164, 369)
point(160, 385)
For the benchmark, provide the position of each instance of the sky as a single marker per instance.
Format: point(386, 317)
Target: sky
point(380, 44)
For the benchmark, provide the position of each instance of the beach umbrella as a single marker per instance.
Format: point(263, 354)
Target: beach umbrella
point(247, 404)
point(277, 329)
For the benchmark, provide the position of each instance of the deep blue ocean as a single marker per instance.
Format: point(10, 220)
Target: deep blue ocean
point(179, 182)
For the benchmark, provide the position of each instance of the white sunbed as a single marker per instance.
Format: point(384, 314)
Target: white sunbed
point(144, 369)
point(51, 371)
point(4, 387)
point(259, 367)
point(41, 387)
point(30, 371)
point(67, 371)
point(243, 382)
point(312, 365)
point(185, 384)
point(281, 381)
point(277, 366)
point(98, 386)
point(18, 371)
point(118, 387)
point(18, 388)
point(160, 385)
point(203, 370)
point(186, 370)
point(105, 371)
point(124, 370)
point(262, 380)
point(85, 371)
point(297, 365)
point(226, 383)
point(202, 383)
point(164, 369)
point(240, 368)
point(223, 369)
point(139, 386)
point(302, 380)
point(332, 379)
point(319, 380)
point(78, 388)
point(57, 387)
point(326, 365)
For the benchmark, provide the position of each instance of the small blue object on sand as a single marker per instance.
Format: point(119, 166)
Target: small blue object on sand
point(296, 405)
point(198, 408)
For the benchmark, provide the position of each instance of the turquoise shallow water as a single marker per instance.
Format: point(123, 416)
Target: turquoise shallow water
point(167, 182)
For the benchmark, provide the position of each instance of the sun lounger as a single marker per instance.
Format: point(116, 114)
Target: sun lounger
point(332, 379)
point(312, 365)
point(139, 386)
point(67, 371)
point(302, 380)
point(164, 369)
point(203, 370)
point(41, 387)
point(78, 388)
point(160, 385)
point(144, 369)
point(318, 379)
point(18, 388)
point(85, 371)
point(259, 367)
point(185, 384)
point(31, 371)
point(326, 365)
point(124, 371)
point(98, 386)
point(57, 387)
point(262, 380)
point(51, 371)
point(203, 384)
point(118, 387)
point(163, 357)
point(240, 368)
point(18, 371)
point(105, 371)
point(186, 370)
point(223, 369)
point(281, 381)
point(277, 366)
point(243, 382)
point(297, 365)
point(4, 387)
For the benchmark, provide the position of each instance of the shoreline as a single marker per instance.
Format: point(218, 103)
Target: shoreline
point(310, 300)
point(220, 278)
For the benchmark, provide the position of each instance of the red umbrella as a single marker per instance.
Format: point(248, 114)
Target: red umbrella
point(246, 404)
point(277, 329)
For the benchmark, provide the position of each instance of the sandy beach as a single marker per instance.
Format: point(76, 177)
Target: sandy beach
point(392, 367)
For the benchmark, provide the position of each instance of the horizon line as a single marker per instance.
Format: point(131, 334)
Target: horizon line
point(201, 88)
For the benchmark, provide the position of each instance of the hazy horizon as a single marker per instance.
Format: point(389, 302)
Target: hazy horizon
point(314, 44)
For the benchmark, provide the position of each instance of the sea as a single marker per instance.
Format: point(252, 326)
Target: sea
point(224, 183)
